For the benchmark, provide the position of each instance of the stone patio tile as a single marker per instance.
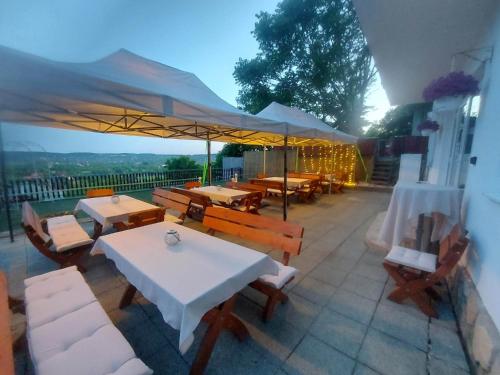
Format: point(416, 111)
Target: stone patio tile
point(446, 316)
point(128, 318)
point(167, 361)
point(340, 262)
point(104, 283)
point(314, 290)
point(363, 370)
point(110, 299)
point(373, 258)
point(390, 356)
point(145, 339)
point(327, 273)
point(353, 306)
point(351, 249)
point(298, 311)
point(401, 325)
point(336, 330)
point(439, 367)
point(312, 357)
point(363, 287)
point(445, 344)
point(369, 271)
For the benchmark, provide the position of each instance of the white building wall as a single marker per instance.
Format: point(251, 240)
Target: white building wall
point(482, 214)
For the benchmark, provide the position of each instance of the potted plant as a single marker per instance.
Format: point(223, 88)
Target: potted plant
point(448, 92)
point(428, 127)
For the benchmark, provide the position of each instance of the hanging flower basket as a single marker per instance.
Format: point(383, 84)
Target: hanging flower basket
point(428, 127)
point(455, 85)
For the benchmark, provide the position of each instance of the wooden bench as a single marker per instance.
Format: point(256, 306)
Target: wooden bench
point(69, 332)
point(277, 234)
point(245, 186)
point(172, 202)
point(67, 241)
point(306, 193)
point(199, 202)
point(6, 353)
point(140, 219)
point(274, 188)
point(95, 193)
point(192, 184)
point(416, 272)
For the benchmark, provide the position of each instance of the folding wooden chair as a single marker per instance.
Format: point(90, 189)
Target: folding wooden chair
point(142, 218)
point(306, 193)
point(172, 202)
point(251, 203)
point(69, 241)
point(416, 273)
point(278, 234)
point(95, 193)
point(192, 184)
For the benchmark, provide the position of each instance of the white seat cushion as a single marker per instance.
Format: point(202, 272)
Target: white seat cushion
point(244, 208)
point(285, 274)
point(104, 351)
point(276, 191)
point(412, 258)
point(196, 205)
point(173, 219)
point(66, 233)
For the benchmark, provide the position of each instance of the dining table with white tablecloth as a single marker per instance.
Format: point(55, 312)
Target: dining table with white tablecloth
point(185, 280)
point(409, 200)
point(292, 182)
point(221, 194)
point(108, 210)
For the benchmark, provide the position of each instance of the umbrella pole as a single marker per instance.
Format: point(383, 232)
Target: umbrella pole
point(285, 179)
point(3, 175)
point(264, 169)
point(209, 163)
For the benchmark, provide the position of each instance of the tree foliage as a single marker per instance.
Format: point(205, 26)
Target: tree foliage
point(181, 163)
point(234, 150)
point(313, 56)
point(396, 122)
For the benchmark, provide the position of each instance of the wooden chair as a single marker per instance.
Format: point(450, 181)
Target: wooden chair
point(192, 184)
point(142, 218)
point(62, 249)
point(199, 203)
point(416, 273)
point(251, 203)
point(274, 188)
point(278, 234)
point(6, 344)
point(339, 182)
point(260, 176)
point(172, 202)
point(306, 193)
point(95, 193)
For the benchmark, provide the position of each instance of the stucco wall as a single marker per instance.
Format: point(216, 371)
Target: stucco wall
point(482, 214)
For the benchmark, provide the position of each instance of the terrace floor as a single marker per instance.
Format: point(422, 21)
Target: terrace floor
point(337, 321)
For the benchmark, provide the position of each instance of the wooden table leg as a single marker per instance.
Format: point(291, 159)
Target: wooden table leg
point(219, 318)
point(127, 296)
point(97, 230)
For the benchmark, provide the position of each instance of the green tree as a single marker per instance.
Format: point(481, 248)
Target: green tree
point(313, 56)
point(397, 121)
point(180, 163)
point(234, 150)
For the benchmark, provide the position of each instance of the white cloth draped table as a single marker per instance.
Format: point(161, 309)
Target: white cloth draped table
point(411, 199)
point(106, 213)
point(185, 280)
point(221, 194)
point(292, 183)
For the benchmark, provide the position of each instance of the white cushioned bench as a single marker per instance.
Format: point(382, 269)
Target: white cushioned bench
point(69, 332)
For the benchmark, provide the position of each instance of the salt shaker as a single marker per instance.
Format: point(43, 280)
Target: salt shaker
point(172, 237)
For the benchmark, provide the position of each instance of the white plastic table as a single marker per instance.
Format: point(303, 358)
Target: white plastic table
point(292, 183)
point(186, 281)
point(222, 194)
point(411, 199)
point(106, 213)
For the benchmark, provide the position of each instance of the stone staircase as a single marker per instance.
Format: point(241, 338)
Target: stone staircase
point(385, 171)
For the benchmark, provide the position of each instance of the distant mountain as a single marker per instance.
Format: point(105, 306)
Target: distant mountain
point(22, 164)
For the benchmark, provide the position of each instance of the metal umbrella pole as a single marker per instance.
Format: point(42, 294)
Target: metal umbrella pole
point(285, 179)
point(3, 174)
point(209, 162)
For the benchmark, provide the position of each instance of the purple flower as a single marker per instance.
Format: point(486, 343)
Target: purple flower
point(453, 84)
point(428, 125)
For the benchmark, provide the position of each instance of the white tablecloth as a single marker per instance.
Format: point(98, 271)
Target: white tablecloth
point(221, 194)
point(291, 182)
point(107, 213)
point(186, 280)
point(411, 199)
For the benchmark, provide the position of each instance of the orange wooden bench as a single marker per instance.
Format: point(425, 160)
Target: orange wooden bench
point(277, 234)
point(172, 202)
point(95, 193)
point(140, 219)
point(6, 353)
point(199, 202)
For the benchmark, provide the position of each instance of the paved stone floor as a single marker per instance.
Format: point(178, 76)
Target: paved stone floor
point(337, 321)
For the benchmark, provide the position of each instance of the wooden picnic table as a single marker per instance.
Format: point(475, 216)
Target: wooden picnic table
point(196, 279)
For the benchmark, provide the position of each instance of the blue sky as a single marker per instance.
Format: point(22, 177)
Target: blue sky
point(203, 37)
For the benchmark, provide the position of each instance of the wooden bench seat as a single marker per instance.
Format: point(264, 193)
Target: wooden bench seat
point(69, 332)
point(199, 202)
point(6, 354)
point(176, 205)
